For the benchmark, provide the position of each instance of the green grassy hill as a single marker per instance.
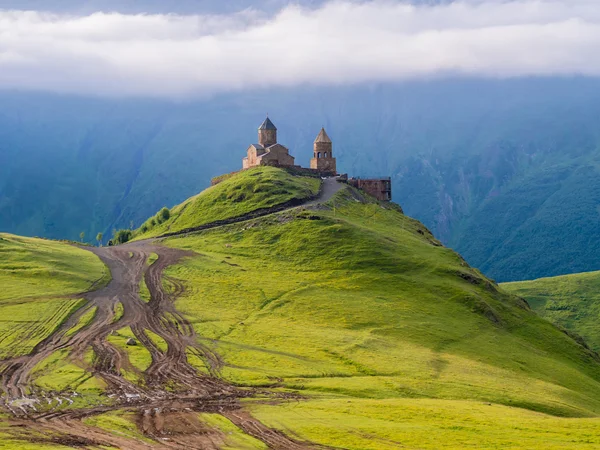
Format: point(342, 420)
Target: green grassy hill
point(393, 339)
point(257, 188)
point(389, 339)
point(571, 301)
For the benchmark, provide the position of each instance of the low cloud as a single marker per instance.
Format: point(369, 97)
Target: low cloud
point(336, 43)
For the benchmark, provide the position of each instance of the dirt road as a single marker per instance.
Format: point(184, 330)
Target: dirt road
point(172, 390)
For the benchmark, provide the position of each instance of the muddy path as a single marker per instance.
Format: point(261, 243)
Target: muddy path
point(170, 392)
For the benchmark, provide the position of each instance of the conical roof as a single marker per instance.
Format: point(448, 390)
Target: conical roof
point(267, 125)
point(322, 137)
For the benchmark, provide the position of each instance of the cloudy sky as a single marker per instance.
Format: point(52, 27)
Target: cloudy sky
point(203, 49)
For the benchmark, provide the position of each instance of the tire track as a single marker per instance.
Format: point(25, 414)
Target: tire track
point(172, 391)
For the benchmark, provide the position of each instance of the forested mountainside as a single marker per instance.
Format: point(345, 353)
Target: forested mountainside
point(505, 172)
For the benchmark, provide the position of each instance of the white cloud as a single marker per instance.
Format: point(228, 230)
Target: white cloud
point(338, 43)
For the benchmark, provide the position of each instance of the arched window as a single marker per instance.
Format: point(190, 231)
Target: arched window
point(319, 155)
point(325, 155)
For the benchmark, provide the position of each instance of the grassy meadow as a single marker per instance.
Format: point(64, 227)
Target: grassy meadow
point(40, 282)
point(361, 310)
point(571, 301)
point(390, 339)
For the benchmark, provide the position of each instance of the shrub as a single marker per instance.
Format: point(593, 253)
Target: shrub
point(163, 215)
point(122, 236)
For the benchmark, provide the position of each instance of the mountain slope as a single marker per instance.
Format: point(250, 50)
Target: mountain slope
point(343, 324)
point(571, 301)
point(359, 304)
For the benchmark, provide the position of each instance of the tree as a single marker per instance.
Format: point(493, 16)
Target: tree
point(122, 236)
point(99, 237)
point(82, 235)
point(163, 215)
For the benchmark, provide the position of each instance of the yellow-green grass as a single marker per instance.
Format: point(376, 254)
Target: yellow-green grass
point(31, 267)
point(120, 423)
point(40, 280)
point(18, 438)
point(389, 424)
point(260, 187)
point(235, 438)
point(144, 291)
point(365, 304)
point(83, 321)
point(25, 323)
point(139, 357)
point(119, 311)
point(152, 259)
point(57, 373)
point(160, 343)
point(361, 302)
point(8, 442)
point(572, 301)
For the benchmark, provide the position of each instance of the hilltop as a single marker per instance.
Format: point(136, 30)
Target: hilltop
point(234, 196)
point(339, 323)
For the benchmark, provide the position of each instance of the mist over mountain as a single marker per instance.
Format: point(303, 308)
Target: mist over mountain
point(503, 171)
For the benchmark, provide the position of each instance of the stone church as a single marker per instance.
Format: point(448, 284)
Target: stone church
point(270, 153)
point(267, 152)
point(323, 159)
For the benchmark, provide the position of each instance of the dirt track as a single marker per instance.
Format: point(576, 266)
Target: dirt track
point(172, 389)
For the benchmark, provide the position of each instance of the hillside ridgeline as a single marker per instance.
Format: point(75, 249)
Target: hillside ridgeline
point(259, 188)
point(336, 324)
point(354, 302)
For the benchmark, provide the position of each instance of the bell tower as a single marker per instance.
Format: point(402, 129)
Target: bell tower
point(267, 133)
point(323, 159)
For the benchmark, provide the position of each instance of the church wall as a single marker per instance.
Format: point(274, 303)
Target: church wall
point(381, 188)
point(267, 137)
point(324, 164)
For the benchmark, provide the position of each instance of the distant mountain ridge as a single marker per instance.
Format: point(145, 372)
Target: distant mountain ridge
point(503, 171)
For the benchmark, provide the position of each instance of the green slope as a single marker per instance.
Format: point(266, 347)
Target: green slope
point(260, 187)
point(571, 301)
point(362, 311)
point(391, 340)
point(40, 280)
